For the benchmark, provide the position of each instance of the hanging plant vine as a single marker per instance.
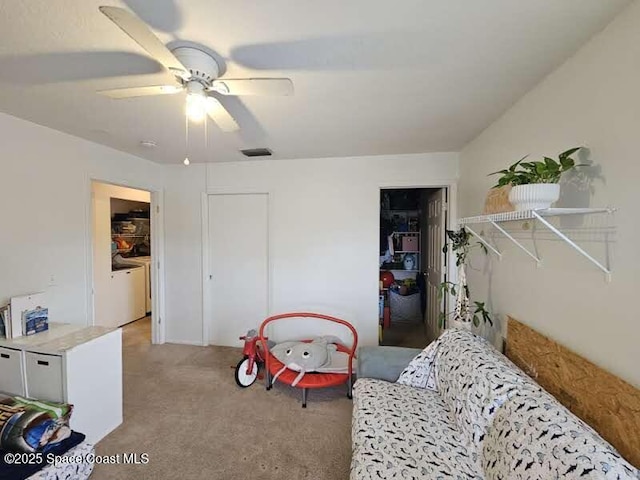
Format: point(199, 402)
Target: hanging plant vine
point(460, 244)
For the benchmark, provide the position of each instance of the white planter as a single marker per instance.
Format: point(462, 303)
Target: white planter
point(534, 196)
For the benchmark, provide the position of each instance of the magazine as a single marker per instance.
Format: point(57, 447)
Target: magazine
point(35, 321)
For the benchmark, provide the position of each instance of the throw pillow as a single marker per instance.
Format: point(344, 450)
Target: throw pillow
point(421, 371)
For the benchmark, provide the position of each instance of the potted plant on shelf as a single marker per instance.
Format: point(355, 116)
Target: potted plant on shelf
point(535, 185)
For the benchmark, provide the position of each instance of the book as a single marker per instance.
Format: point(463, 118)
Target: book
point(3, 330)
point(35, 321)
point(5, 321)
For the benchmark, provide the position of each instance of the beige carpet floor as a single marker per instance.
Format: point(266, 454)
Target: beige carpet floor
point(183, 408)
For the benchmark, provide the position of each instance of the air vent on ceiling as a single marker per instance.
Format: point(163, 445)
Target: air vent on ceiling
point(256, 152)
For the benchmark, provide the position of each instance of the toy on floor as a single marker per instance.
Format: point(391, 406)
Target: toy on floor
point(310, 363)
point(252, 357)
point(319, 355)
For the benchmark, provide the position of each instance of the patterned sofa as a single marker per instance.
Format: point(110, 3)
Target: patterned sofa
point(487, 419)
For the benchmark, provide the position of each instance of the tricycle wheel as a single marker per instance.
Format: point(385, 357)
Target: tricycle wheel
point(243, 377)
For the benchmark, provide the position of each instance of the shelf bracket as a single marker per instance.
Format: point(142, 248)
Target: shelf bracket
point(576, 247)
point(522, 247)
point(484, 242)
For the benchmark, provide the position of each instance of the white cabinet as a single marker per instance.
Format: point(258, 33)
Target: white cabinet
point(138, 304)
point(119, 295)
point(78, 365)
point(127, 295)
point(12, 368)
point(44, 376)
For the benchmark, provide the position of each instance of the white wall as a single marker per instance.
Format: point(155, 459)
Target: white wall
point(45, 205)
point(184, 187)
point(324, 225)
point(592, 100)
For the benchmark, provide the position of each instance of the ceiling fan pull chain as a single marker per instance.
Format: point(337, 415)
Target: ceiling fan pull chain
point(186, 140)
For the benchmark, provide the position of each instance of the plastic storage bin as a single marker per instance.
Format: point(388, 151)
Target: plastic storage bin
point(410, 243)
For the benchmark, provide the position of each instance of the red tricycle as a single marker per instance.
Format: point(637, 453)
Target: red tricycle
point(247, 368)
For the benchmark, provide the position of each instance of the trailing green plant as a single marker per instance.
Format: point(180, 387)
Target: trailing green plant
point(459, 241)
point(546, 171)
point(478, 309)
point(461, 245)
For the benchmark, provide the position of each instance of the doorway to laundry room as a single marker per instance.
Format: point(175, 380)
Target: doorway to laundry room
point(122, 259)
point(412, 264)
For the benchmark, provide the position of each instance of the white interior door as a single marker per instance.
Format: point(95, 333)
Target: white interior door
point(436, 218)
point(238, 265)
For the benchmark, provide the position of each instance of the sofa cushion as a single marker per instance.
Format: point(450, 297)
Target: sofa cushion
point(533, 436)
point(474, 380)
point(403, 432)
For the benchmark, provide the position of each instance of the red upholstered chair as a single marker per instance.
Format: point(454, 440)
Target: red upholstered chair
point(311, 379)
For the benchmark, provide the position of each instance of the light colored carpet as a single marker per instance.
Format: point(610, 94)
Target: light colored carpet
point(183, 408)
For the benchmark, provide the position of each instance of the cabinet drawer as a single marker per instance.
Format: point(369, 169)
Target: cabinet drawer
point(11, 380)
point(44, 376)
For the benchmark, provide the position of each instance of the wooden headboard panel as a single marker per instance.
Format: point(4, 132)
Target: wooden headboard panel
point(607, 403)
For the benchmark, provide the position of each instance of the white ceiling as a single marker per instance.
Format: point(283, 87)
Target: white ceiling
point(371, 76)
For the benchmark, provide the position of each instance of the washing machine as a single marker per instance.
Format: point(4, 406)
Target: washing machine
point(146, 263)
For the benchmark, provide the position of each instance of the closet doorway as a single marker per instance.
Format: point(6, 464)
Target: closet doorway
point(236, 265)
point(412, 264)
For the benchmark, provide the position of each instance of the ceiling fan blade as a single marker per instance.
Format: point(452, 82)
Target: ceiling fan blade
point(253, 86)
point(221, 116)
point(119, 93)
point(141, 34)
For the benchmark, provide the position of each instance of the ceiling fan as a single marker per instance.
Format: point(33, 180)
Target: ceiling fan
point(195, 71)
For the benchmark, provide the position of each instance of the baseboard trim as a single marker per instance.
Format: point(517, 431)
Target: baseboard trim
point(185, 342)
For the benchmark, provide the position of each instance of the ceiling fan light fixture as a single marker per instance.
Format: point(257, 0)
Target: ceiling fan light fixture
point(195, 69)
point(196, 101)
point(196, 106)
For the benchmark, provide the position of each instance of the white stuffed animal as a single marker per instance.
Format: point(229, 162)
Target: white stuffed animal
point(317, 356)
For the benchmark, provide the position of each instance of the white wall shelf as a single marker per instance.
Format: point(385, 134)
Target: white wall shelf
point(531, 215)
point(540, 215)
